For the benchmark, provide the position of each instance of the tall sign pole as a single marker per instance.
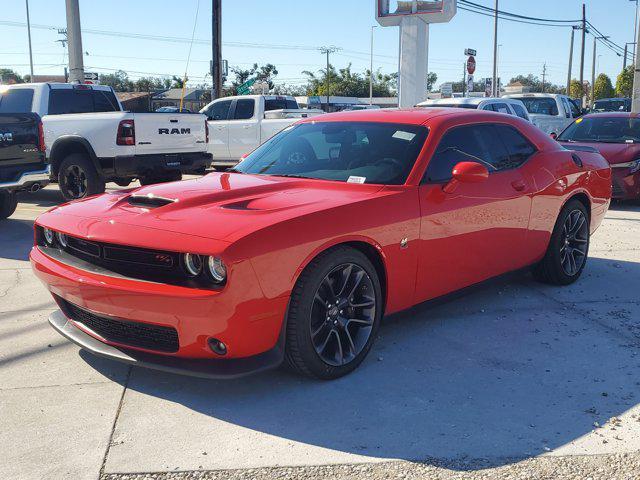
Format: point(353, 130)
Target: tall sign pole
point(29, 34)
point(216, 51)
point(635, 102)
point(74, 42)
point(584, 33)
point(573, 32)
point(494, 83)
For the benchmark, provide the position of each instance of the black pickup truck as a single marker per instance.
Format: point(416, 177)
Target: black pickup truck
point(23, 165)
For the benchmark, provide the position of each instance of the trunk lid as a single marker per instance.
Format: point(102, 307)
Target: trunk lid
point(169, 133)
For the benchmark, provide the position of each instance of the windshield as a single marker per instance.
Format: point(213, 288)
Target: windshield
point(603, 129)
point(610, 106)
point(16, 100)
point(540, 105)
point(355, 152)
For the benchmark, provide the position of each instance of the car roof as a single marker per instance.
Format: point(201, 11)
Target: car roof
point(466, 101)
point(411, 116)
point(612, 115)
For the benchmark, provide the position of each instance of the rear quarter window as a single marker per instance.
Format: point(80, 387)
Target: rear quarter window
point(16, 100)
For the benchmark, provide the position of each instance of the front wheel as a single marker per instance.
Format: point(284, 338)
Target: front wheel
point(8, 203)
point(568, 248)
point(78, 178)
point(334, 313)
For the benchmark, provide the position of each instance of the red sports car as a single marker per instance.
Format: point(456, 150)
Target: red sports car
point(298, 252)
point(617, 137)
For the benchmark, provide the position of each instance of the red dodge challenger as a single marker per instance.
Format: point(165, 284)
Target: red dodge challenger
point(617, 137)
point(297, 253)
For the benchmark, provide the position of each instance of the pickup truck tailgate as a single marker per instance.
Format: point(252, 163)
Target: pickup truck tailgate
point(169, 133)
point(19, 145)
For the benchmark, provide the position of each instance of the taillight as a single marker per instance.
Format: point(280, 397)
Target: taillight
point(206, 132)
point(41, 145)
point(126, 133)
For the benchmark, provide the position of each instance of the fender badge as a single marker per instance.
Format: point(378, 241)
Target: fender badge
point(404, 243)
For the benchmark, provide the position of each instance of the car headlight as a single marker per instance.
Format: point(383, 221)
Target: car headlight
point(217, 269)
point(63, 239)
point(634, 166)
point(49, 236)
point(192, 263)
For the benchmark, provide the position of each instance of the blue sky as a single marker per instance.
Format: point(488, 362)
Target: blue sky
point(285, 32)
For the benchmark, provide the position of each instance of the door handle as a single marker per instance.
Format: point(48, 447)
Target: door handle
point(518, 185)
point(246, 126)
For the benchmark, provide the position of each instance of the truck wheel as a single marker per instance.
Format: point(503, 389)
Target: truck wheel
point(122, 182)
point(8, 203)
point(78, 178)
point(161, 178)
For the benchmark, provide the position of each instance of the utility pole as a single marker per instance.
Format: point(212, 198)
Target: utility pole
point(494, 83)
point(635, 102)
point(544, 75)
point(29, 34)
point(371, 69)
point(624, 58)
point(593, 68)
point(74, 42)
point(216, 51)
point(327, 51)
point(464, 79)
point(584, 33)
point(635, 31)
point(573, 31)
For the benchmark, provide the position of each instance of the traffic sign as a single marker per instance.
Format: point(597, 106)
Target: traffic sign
point(471, 65)
point(91, 77)
point(446, 89)
point(470, 51)
point(245, 88)
point(470, 83)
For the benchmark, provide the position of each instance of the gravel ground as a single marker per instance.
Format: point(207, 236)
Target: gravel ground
point(624, 466)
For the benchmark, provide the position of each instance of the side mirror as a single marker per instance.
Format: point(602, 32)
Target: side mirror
point(466, 172)
point(553, 135)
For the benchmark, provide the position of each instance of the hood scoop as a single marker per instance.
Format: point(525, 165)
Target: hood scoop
point(150, 201)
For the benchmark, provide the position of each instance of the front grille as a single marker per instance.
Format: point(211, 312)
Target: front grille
point(125, 332)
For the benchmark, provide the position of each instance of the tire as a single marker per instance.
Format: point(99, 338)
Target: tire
point(326, 340)
point(161, 178)
point(122, 182)
point(568, 248)
point(8, 203)
point(78, 178)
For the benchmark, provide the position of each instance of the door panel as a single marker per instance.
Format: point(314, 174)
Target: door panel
point(244, 128)
point(218, 121)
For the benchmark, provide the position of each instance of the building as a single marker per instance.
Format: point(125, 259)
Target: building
point(194, 98)
point(516, 88)
point(337, 103)
point(139, 102)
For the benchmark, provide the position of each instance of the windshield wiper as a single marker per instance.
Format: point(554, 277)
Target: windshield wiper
point(289, 175)
point(233, 170)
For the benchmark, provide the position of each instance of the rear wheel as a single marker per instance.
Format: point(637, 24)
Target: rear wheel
point(160, 178)
point(334, 314)
point(568, 247)
point(8, 203)
point(78, 178)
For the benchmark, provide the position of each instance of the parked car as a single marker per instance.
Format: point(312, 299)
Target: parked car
point(298, 252)
point(612, 105)
point(501, 105)
point(549, 112)
point(617, 137)
point(237, 125)
point(172, 110)
point(91, 141)
point(23, 166)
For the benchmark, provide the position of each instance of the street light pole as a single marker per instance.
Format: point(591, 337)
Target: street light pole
point(593, 67)
point(573, 31)
point(327, 51)
point(74, 42)
point(371, 69)
point(635, 102)
point(216, 54)
point(29, 34)
point(494, 83)
point(584, 33)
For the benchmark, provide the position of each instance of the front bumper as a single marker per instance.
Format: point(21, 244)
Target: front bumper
point(26, 179)
point(206, 368)
point(137, 165)
point(626, 186)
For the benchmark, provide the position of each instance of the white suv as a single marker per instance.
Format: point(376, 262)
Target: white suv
point(509, 106)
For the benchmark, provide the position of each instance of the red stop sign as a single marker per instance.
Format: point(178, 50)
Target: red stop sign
point(471, 64)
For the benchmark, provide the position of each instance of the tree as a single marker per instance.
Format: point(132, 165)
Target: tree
point(535, 84)
point(177, 82)
point(119, 81)
point(432, 78)
point(148, 84)
point(8, 76)
point(575, 89)
point(346, 83)
point(603, 87)
point(265, 73)
point(624, 82)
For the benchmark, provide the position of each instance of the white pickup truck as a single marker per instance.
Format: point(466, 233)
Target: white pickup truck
point(551, 113)
point(237, 125)
point(90, 140)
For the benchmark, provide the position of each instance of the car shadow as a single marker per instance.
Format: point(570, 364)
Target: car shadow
point(625, 205)
point(47, 197)
point(503, 374)
point(16, 238)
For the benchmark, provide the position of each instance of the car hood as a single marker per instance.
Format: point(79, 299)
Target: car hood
point(219, 206)
point(613, 152)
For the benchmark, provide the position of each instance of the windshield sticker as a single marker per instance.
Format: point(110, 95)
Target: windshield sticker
point(354, 179)
point(401, 135)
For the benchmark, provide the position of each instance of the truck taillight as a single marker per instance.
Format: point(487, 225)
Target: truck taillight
point(206, 132)
point(126, 133)
point(41, 145)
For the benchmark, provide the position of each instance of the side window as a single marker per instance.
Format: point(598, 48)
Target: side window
point(244, 109)
point(519, 148)
point(567, 107)
point(488, 107)
point(104, 101)
point(520, 111)
point(16, 100)
point(219, 110)
point(473, 143)
point(575, 112)
point(501, 108)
